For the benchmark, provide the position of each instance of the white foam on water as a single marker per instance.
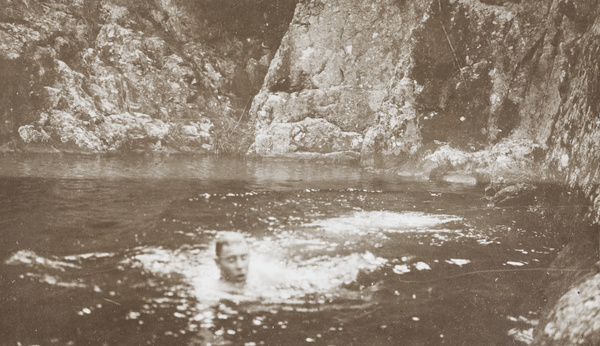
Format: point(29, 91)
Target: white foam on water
point(422, 266)
point(523, 335)
point(515, 263)
point(271, 278)
point(88, 256)
point(362, 221)
point(42, 264)
point(55, 281)
point(406, 268)
point(458, 262)
point(326, 273)
point(30, 258)
point(485, 241)
point(277, 278)
point(401, 269)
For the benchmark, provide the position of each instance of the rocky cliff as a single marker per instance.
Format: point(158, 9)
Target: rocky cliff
point(105, 76)
point(420, 85)
point(493, 91)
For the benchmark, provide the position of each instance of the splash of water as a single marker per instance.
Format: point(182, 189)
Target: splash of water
point(42, 265)
point(31, 259)
point(362, 221)
point(271, 280)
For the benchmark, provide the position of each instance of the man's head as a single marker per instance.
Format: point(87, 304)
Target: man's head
point(232, 257)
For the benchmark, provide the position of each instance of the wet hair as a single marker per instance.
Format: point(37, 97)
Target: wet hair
point(227, 238)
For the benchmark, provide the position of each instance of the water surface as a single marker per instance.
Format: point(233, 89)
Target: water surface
point(118, 251)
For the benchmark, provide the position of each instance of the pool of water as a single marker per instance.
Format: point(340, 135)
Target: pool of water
point(119, 251)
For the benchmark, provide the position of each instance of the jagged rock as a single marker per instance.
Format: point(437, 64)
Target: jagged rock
point(309, 135)
point(449, 71)
point(336, 62)
point(78, 74)
point(515, 195)
point(574, 319)
point(347, 107)
point(573, 312)
point(509, 161)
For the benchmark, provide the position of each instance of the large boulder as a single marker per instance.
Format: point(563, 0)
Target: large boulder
point(573, 312)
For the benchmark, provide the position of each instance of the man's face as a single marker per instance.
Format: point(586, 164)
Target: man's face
point(233, 262)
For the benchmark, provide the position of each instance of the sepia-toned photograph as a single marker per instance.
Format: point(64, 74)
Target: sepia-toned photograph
point(299, 172)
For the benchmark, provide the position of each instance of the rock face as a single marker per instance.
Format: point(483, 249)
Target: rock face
point(573, 321)
point(111, 75)
point(475, 90)
point(403, 76)
point(335, 68)
point(573, 311)
point(412, 81)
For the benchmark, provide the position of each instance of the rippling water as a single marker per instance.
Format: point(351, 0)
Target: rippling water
point(118, 251)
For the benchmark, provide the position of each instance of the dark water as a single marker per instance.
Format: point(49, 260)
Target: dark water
point(117, 251)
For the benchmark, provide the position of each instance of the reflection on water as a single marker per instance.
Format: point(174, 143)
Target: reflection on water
point(120, 251)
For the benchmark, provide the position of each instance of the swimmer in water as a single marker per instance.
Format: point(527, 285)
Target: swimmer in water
point(232, 258)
